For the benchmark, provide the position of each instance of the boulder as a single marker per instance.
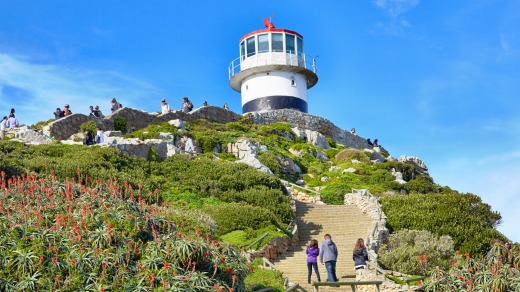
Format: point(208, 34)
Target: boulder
point(416, 162)
point(299, 133)
point(254, 162)
point(375, 156)
point(179, 124)
point(316, 138)
point(321, 156)
point(288, 165)
point(350, 169)
point(113, 134)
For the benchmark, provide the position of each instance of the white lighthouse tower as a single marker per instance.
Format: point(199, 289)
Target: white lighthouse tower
point(272, 71)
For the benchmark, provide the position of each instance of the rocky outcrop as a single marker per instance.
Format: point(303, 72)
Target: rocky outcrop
point(247, 152)
point(416, 162)
point(28, 136)
point(136, 119)
point(140, 148)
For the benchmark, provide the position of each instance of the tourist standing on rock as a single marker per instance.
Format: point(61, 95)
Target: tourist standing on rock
point(312, 260)
point(360, 257)
point(376, 143)
point(165, 107)
point(188, 146)
point(353, 131)
point(58, 113)
point(186, 106)
point(12, 122)
point(226, 107)
point(98, 111)
point(66, 111)
point(329, 256)
point(370, 142)
point(100, 139)
point(2, 127)
point(115, 105)
point(205, 104)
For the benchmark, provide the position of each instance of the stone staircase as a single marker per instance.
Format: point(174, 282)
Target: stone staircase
point(344, 223)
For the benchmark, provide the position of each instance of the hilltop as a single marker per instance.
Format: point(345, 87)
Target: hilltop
point(204, 190)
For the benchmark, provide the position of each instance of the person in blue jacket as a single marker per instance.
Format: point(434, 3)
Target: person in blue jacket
point(360, 257)
point(329, 256)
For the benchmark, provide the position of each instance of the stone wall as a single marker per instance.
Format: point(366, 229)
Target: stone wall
point(278, 246)
point(136, 119)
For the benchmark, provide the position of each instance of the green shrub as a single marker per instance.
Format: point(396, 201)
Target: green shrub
point(153, 155)
point(332, 143)
point(120, 124)
point(270, 160)
point(416, 251)
point(90, 125)
point(262, 278)
point(152, 131)
point(331, 152)
point(422, 184)
point(347, 155)
point(335, 194)
point(470, 223)
point(239, 216)
point(39, 125)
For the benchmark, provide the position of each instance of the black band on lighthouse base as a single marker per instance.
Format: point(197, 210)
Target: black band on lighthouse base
point(275, 102)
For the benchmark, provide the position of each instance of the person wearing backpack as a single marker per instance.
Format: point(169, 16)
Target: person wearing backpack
point(186, 106)
point(115, 105)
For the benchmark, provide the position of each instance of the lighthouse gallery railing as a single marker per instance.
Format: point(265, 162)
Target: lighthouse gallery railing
point(272, 58)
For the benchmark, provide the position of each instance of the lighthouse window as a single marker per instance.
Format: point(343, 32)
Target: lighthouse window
point(277, 42)
point(250, 46)
point(299, 43)
point(263, 43)
point(242, 50)
point(289, 44)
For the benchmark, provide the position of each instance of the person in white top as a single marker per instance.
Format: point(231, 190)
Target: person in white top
point(12, 122)
point(188, 146)
point(100, 136)
point(2, 127)
point(165, 108)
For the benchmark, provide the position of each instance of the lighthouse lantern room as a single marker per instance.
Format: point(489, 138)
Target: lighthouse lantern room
point(272, 71)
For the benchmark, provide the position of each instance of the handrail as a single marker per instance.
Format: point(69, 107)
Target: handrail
point(352, 284)
point(375, 267)
point(413, 279)
point(273, 58)
point(266, 289)
point(256, 241)
point(266, 262)
point(292, 288)
point(297, 186)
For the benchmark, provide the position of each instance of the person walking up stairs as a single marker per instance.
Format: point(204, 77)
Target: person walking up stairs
point(345, 223)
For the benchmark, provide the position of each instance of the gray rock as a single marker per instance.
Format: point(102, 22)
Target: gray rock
point(300, 182)
point(113, 134)
point(254, 162)
point(324, 179)
point(299, 133)
point(416, 162)
point(179, 124)
point(334, 168)
point(288, 165)
point(165, 136)
point(375, 156)
point(316, 138)
point(350, 169)
point(321, 156)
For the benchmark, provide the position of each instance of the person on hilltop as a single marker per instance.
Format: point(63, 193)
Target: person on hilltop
point(165, 107)
point(329, 256)
point(115, 105)
point(58, 114)
point(94, 113)
point(360, 257)
point(66, 111)
point(370, 142)
point(89, 139)
point(353, 131)
point(376, 143)
point(226, 107)
point(12, 122)
point(205, 104)
point(312, 260)
point(186, 106)
point(98, 112)
point(188, 144)
point(2, 127)
point(100, 139)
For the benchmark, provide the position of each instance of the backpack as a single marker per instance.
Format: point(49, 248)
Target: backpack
point(190, 105)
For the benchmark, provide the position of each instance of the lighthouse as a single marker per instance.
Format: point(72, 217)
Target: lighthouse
point(272, 71)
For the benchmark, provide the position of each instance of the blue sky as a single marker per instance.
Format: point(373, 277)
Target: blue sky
point(435, 79)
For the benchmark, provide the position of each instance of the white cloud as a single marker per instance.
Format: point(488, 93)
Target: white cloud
point(35, 90)
point(396, 8)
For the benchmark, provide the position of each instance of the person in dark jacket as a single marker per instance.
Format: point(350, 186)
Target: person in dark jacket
point(89, 138)
point(312, 259)
point(360, 257)
point(328, 256)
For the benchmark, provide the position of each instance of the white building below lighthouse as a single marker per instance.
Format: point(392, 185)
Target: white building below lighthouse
point(272, 71)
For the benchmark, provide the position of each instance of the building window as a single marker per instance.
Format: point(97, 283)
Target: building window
point(251, 46)
point(277, 42)
point(242, 50)
point(289, 44)
point(263, 43)
point(293, 82)
point(299, 45)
